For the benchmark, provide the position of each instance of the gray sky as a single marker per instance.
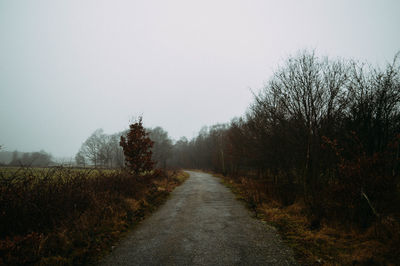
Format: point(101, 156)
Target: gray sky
point(70, 67)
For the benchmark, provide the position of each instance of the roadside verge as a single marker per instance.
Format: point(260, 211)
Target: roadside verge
point(326, 245)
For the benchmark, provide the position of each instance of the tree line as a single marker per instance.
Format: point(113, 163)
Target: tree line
point(324, 131)
point(40, 158)
point(104, 150)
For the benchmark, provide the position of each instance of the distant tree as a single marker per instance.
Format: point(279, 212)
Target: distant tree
point(137, 148)
point(117, 154)
point(162, 146)
point(102, 149)
point(80, 159)
point(105, 150)
point(40, 158)
point(92, 147)
point(180, 156)
point(14, 156)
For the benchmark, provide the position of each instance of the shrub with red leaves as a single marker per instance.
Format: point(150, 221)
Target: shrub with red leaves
point(137, 148)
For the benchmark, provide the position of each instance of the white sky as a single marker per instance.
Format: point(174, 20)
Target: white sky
point(70, 67)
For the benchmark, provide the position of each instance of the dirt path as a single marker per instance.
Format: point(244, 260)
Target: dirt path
point(202, 224)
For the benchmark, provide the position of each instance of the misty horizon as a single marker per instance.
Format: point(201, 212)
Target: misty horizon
point(69, 68)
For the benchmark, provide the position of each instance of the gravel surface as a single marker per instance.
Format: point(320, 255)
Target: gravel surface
point(201, 224)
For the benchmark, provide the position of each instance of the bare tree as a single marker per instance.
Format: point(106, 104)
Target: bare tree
point(92, 147)
point(162, 147)
point(80, 159)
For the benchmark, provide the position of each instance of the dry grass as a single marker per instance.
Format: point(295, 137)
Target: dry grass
point(71, 217)
point(329, 244)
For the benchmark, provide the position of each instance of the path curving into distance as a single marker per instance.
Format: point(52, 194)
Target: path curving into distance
point(201, 224)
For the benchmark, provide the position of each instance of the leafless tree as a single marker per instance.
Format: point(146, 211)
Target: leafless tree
point(162, 148)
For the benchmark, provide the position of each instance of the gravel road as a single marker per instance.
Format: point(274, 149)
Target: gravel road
point(201, 224)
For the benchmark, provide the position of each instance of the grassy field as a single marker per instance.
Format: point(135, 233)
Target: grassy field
point(70, 216)
point(9, 172)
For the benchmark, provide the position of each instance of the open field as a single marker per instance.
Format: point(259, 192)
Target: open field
point(9, 172)
point(69, 216)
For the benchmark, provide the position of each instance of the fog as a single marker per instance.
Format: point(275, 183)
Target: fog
point(70, 67)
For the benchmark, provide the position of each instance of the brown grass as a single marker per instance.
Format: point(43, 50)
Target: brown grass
point(329, 244)
point(67, 217)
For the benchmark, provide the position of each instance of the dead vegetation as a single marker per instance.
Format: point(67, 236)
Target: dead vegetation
point(64, 216)
point(328, 244)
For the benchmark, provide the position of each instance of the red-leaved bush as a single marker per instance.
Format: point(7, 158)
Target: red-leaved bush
point(137, 148)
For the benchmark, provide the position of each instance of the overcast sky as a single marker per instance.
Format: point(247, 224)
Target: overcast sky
point(70, 67)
